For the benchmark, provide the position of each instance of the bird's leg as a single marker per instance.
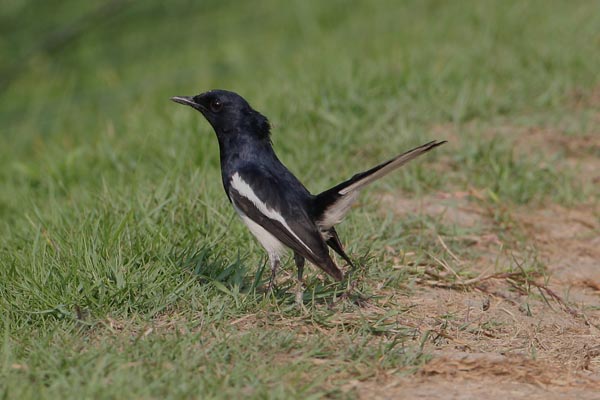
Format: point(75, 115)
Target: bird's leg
point(299, 260)
point(274, 266)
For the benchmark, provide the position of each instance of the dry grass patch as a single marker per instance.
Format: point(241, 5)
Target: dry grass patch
point(490, 316)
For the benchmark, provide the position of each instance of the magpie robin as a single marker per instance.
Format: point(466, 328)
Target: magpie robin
point(271, 201)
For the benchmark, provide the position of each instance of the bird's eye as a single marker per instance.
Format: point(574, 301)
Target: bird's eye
point(216, 105)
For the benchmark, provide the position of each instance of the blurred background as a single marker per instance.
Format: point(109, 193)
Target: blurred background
point(73, 71)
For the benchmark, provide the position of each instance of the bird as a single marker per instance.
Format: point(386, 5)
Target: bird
point(275, 206)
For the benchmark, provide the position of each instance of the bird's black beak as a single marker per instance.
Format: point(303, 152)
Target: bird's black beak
point(187, 100)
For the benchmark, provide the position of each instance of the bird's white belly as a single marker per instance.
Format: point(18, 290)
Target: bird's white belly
point(271, 244)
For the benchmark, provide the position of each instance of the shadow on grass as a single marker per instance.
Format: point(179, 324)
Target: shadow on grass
point(236, 277)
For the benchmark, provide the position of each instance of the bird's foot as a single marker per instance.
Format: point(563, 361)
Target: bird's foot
point(300, 293)
point(274, 266)
point(352, 295)
point(300, 297)
point(270, 287)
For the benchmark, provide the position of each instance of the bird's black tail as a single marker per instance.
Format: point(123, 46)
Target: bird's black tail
point(331, 206)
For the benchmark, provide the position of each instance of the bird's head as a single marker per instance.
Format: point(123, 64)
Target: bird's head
point(228, 113)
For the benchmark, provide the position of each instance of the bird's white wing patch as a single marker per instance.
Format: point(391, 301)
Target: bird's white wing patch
point(245, 190)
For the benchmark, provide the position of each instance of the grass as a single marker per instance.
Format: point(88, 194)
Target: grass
point(123, 271)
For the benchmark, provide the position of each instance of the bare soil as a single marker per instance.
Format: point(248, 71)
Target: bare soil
point(509, 334)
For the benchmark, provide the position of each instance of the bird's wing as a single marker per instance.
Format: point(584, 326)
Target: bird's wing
point(335, 243)
point(280, 207)
point(332, 205)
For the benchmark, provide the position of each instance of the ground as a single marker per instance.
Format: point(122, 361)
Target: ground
point(510, 334)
